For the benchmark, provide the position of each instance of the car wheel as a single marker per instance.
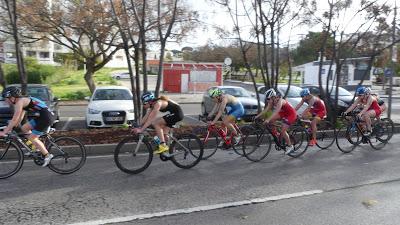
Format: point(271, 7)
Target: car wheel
point(118, 77)
point(203, 110)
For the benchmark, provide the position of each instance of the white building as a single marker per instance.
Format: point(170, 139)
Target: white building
point(353, 71)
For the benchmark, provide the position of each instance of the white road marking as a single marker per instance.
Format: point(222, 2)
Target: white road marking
point(199, 208)
point(67, 123)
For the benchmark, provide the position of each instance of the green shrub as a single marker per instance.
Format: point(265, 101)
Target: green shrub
point(78, 95)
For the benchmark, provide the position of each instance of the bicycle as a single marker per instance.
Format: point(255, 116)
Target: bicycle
point(350, 136)
point(260, 138)
point(326, 132)
point(69, 153)
point(218, 134)
point(134, 154)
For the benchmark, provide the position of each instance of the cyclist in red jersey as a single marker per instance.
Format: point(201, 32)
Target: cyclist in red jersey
point(315, 111)
point(282, 110)
point(370, 105)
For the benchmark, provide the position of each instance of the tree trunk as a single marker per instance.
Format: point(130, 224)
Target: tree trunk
point(160, 66)
point(89, 77)
point(2, 77)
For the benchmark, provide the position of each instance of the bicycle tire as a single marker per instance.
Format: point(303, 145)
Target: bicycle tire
point(187, 146)
point(299, 138)
point(237, 148)
point(379, 136)
point(390, 126)
point(254, 142)
point(211, 146)
point(11, 158)
point(66, 150)
point(344, 140)
point(326, 134)
point(125, 149)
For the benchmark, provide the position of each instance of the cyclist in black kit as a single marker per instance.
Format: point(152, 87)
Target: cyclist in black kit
point(162, 124)
point(34, 127)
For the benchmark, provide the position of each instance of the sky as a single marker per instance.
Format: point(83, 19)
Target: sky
point(214, 15)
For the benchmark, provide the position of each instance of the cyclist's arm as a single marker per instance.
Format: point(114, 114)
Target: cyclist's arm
point(277, 110)
point(354, 105)
point(16, 119)
point(152, 115)
point(144, 118)
point(216, 105)
point(266, 109)
point(366, 107)
point(300, 104)
point(310, 104)
point(221, 109)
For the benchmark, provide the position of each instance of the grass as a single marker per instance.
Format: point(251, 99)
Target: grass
point(70, 84)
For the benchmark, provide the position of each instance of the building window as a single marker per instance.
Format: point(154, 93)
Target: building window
point(44, 55)
point(31, 53)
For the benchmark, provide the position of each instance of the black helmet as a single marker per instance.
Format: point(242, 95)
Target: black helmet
point(147, 97)
point(11, 92)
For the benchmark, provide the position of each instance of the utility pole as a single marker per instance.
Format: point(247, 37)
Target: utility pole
point(393, 59)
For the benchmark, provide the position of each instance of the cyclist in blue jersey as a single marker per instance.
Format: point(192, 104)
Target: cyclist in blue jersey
point(34, 127)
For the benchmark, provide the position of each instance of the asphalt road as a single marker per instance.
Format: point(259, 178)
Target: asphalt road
point(321, 187)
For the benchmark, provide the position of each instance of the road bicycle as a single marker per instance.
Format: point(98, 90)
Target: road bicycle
point(134, 154)
point(351, 133)
point(257, 143)
point(69, 153)
point(326, 132)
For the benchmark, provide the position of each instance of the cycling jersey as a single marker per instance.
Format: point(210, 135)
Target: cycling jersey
point(375, 106)
point(44, 118)
point(288, 114)
point(318, 108)
point(175, 113)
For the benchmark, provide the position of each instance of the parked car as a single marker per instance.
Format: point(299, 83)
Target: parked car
point(248, 100)
point(120, 75)
point(109, 106)
point(40, 91)
point(293, 96)
point(345, 98)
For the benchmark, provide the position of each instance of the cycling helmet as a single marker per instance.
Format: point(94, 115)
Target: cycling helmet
point(305, 92)
point(11, 92)
point(367, 90)
point(215, 92)
point(361, 91)
point(147, 97)
point(270, 93)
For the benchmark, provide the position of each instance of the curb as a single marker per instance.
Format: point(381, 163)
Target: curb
point(108, 149)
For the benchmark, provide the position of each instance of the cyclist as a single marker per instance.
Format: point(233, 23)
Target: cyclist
point(282, 110)
point(370, 106)
point(35, 127)
point(381, 103)
point(235, 112)
point(161, 124)
point(315, 111)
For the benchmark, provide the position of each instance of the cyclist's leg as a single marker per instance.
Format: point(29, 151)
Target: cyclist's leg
point(159, 124)
point(367, 118)
point(36, 129)
point(228, 122)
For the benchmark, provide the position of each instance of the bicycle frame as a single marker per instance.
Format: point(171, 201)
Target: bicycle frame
point(222, 133)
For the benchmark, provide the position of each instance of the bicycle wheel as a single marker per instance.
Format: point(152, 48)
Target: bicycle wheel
point(326, 134)
point(11, 159)
point(133, 156)
point(299, 138)
point(69, 155)
point(211, 146)
point(348, 138)
point(186, 151)
point(379, 136)
point(237, 148)
point(390, 126)
point(256, 145)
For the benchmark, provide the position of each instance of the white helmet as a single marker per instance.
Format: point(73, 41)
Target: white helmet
point(270, 93)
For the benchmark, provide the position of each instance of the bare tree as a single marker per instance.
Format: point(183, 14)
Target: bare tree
point(10, 6)
point(84, 27)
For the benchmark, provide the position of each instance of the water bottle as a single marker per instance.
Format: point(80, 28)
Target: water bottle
point(30, 145)
point(156, 140)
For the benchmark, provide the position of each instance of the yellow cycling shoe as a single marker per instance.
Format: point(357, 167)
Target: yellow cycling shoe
point(161, 148)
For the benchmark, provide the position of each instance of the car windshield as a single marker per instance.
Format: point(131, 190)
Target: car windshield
point(342, 92)
point(112, 94)
point(294, 92)
point(38, 92)
point(237, 92)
